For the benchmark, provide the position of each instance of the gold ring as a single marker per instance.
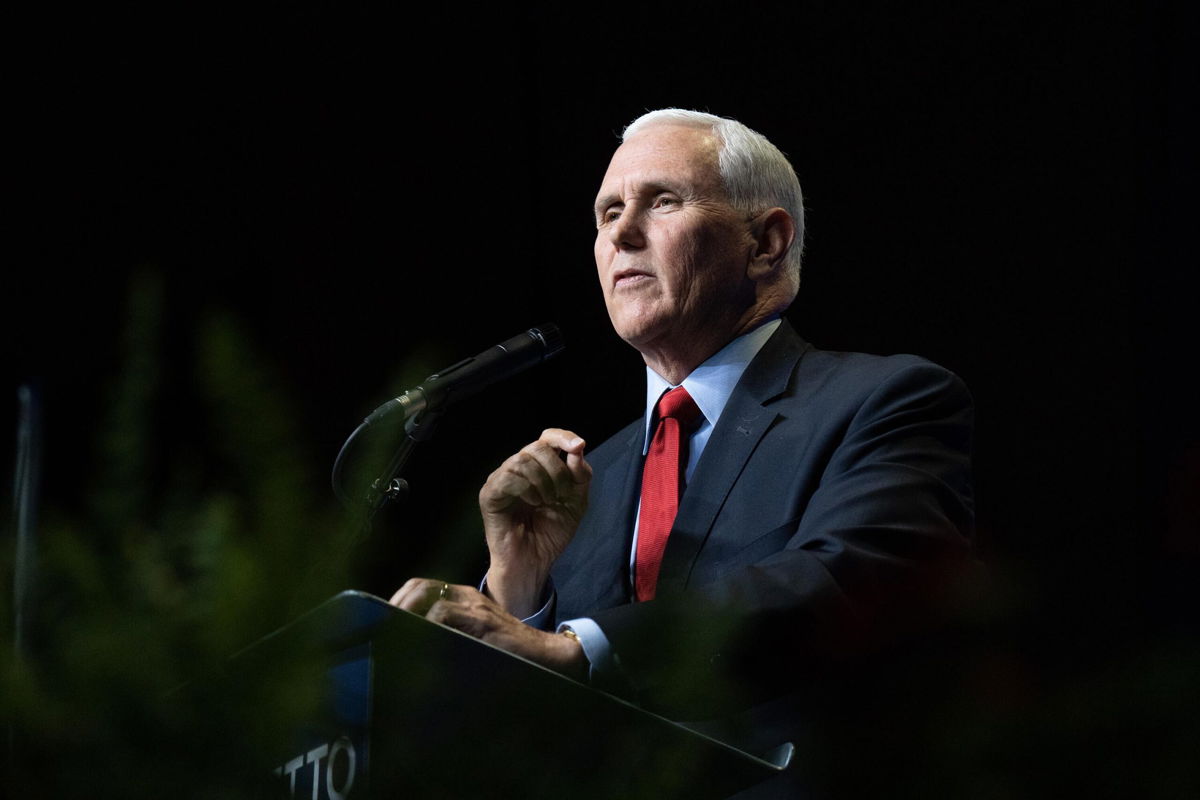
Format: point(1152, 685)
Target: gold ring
point(442, 593)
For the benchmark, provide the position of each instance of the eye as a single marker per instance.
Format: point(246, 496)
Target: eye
point(666, 201)
point(611, 214)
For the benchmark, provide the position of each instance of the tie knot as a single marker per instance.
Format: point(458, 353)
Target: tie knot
point(678, 404)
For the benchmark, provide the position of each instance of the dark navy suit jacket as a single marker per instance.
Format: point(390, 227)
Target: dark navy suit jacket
point(832, 499)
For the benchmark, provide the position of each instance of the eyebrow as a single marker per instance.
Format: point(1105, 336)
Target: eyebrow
point(604, 202)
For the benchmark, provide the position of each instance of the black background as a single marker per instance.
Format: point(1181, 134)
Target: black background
point(1006, 189)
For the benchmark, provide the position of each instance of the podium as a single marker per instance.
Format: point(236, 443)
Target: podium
point(411, 708)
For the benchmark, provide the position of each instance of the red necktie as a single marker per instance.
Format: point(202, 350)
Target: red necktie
point(662, 478)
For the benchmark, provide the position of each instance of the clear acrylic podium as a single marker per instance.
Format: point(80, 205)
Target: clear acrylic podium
point(410, 708)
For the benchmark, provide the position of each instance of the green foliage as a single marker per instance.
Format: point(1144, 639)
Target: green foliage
point(183, 556)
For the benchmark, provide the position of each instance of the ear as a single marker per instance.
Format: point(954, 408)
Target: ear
point(773, 231)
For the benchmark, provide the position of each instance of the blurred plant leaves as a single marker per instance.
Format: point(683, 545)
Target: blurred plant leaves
point(182, 557)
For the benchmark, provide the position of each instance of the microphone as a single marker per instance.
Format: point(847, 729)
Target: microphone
point(471, 375)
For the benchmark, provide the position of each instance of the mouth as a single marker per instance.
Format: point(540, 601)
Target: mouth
point(629, 277)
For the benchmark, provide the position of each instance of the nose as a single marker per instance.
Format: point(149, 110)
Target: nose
point(625, 232)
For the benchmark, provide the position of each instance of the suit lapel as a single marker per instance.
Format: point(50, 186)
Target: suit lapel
point(745, 420)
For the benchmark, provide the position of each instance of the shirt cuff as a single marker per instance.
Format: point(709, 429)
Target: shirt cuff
point(595, 647)
point(544, 616)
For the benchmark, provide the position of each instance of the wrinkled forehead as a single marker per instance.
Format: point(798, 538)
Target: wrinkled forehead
point(666, 151)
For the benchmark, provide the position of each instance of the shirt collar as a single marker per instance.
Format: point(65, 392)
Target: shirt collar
point(711, 383)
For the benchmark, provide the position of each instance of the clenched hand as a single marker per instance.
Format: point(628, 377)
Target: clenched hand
point(531, 506)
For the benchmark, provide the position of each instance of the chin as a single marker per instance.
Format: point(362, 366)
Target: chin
point(640, 336)
point(635, 322)
point(629, 325)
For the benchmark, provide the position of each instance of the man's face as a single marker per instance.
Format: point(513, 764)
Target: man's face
point(671, 252)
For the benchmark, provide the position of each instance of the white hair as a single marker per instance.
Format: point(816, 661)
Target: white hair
point(756, 175)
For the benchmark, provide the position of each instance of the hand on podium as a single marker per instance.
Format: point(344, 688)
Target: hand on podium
point(531, 507)
point(469, 610)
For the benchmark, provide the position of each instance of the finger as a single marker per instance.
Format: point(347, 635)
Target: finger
point(544, 470)
point(561, 479)
point(457, 617)
point(573, 446)
point(418, 595)
point(410, 585)
point(563, 439)
point(515, 478)
point(476, 616)
point(520, 477)
point(580, 469)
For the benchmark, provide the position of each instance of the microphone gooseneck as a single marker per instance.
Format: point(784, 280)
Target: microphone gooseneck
point(426, 402)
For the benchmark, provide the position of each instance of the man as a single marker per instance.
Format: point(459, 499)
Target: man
point(821, 497)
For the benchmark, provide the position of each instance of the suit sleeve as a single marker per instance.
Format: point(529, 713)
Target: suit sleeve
point(869, 554)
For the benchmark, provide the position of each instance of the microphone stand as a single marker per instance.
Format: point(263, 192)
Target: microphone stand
point(389, 485)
